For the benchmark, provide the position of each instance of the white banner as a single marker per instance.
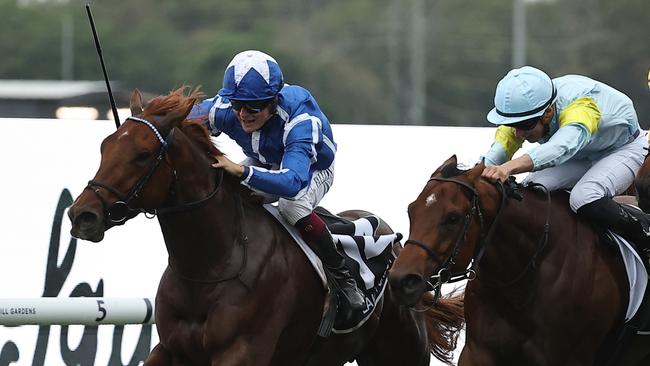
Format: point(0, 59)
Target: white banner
point(47, 163)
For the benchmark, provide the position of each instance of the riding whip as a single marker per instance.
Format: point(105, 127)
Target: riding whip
point(101, 61)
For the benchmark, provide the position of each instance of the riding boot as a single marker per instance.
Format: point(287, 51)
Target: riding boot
point(314, 231)
point(627, 221)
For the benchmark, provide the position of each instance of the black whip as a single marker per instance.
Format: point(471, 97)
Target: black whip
point(101, 60)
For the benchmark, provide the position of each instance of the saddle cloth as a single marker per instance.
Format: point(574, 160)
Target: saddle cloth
point(636, 273)
point(368, 256)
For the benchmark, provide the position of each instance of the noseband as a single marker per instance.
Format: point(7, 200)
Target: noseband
point(119, 211)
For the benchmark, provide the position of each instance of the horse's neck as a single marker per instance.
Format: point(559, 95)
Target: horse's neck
point(205, 240)
point(518, 240)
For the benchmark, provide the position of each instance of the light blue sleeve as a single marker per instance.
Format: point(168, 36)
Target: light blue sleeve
point(496, 155)
point(563, 145)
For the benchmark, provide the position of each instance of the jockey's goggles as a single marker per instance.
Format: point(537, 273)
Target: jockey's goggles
point(526, 125)
point(251, 106)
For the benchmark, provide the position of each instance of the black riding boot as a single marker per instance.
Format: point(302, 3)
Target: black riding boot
point(627, 221)
point(321, 242)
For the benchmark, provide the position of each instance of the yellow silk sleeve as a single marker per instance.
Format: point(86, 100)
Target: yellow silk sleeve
point(584, 111)
point(506, 137)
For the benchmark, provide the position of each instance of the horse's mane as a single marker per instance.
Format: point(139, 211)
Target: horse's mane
point(199, 134)
point(181, 99)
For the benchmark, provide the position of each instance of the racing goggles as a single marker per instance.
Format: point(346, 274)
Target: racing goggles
point(251, 106)
point(526, 125)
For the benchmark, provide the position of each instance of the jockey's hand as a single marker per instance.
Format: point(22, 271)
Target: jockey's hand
point(496, 173)
point(226, 164)
point(501, 172)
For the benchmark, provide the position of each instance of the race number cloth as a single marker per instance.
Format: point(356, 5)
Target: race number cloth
point(368, 256)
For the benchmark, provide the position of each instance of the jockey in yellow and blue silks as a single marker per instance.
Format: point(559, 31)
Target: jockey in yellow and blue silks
point(590, 142)
point(289, 146)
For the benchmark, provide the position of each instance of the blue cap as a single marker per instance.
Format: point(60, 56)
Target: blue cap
point(522, 94)
point(252, 75)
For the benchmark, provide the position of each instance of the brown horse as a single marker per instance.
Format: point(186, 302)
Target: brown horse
point(543, 289)
point(237, 290)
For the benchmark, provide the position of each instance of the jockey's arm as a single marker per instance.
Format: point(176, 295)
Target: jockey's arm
point(506, 143)
point(577, 123)
point(562, 146)
point(294, 173)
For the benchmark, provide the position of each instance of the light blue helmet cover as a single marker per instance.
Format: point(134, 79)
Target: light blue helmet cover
point(522, 94)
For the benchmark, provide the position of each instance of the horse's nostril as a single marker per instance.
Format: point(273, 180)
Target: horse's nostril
point(86, 218)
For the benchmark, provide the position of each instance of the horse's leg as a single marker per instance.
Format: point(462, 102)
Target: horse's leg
point(159, 356)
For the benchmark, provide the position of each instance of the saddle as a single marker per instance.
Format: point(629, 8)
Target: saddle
point(368, 256)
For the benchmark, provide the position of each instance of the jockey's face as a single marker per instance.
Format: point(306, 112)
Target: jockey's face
point(540, 129)
point(252, 121)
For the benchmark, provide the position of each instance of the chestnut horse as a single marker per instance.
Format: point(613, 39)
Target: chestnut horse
point(543, 289)
point(237, 290)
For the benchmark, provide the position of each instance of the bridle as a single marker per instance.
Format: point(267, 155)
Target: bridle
point(121, 210)
point(445, 275)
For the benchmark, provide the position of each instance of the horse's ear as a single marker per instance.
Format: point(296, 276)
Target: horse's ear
point(135, 104)
point(185, 111)
point(474, 174)
point(173, 118)
point(452, 161)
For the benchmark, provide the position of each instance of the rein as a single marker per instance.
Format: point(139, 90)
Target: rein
point(444, 275)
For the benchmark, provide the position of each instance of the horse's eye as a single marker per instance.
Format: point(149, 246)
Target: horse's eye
point(452, 219)
point(142, 157)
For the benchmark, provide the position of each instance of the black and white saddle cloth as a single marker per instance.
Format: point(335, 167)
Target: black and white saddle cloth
point(367, 255)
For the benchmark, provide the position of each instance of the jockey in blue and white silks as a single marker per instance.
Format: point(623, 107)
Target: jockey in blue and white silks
point(296, 141)
point(290, 148)
point(590, 142)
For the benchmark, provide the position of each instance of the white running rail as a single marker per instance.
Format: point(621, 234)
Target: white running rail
point(76, 310)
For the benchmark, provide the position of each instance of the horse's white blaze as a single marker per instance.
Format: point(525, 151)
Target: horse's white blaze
point(431, 199)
